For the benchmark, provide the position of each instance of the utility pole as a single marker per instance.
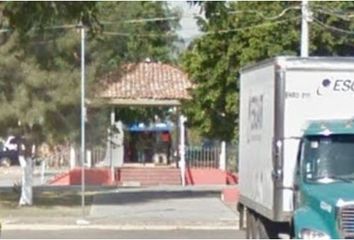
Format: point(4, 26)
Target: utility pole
point(83, 113)
point(305, 28)
point(83, 117)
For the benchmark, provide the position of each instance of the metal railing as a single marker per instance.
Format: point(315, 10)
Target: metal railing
point(97, 155)
point(202, 157)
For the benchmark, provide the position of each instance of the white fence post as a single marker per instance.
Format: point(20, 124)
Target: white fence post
point(72, 157)
point(182, 162)
point(113, 120)
point(42, 171)
point(89, 158)
point(222, 159)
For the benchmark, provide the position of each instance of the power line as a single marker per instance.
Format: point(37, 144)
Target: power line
point(124, 34)
point(250, 27)
point(169, 34)
point(324, 25)
point(142, 20)
point(282, 13)
point(341, 16)
point(173, 34)
point(336, 12)
point(159, 19)
point(155, 19)
point(68, 26)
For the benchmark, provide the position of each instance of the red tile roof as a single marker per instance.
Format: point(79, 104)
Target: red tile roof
point(146, 80)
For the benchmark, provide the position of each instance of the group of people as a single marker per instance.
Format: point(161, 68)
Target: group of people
point(146, 144)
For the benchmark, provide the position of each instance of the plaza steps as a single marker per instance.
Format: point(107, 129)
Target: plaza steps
point(147, 176)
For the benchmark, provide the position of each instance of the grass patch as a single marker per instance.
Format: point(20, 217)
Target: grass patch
point(45, 203)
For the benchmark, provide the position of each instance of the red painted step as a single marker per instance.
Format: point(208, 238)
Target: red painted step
point(147, 176)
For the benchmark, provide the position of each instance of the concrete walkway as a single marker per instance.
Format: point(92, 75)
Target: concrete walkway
point(153, 208)
point(164, 206)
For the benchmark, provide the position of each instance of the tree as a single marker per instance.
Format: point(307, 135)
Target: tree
point(41, 63)
point(131, 34)
point(28, 16)
point(241, 33)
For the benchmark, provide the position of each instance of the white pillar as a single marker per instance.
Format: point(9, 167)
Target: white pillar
point(222, 158)
point(72, 157)
point(89, 158)
point(182, 149)
point(42, 171)
point(113, 118)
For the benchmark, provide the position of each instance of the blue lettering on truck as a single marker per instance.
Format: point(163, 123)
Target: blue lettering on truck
point(338, 85)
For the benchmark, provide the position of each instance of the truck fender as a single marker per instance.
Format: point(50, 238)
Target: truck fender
point(306, 217)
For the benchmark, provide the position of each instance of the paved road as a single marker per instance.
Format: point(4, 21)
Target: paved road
point(124, 234)
point(163, 206)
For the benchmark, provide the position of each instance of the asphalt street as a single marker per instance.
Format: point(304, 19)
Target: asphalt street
point(123, 234)
point(160, 212)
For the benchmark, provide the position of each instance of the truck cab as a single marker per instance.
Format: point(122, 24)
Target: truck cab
point(324, 189)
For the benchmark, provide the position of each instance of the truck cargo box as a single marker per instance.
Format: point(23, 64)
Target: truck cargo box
point(277, 99)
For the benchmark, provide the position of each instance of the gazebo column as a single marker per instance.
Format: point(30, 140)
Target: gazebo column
point(113, 119)
point(182, 148)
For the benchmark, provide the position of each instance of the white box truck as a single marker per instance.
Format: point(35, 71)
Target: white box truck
point(296, 148)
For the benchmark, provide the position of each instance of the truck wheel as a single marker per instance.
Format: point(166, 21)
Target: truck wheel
point(251, 230)
point(254, 229)
point(249, 225)
point(262, 229)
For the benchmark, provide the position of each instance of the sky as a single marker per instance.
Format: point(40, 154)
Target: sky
point(189, 29)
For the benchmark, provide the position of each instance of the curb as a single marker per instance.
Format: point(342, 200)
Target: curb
point(115, 227)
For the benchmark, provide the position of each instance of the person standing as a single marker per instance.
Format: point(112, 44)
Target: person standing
point(25, 159)
point(166, 140)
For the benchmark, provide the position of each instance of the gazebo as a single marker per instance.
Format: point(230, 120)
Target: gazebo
point(145, 84)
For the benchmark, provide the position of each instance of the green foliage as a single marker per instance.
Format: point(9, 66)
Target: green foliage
point(133, 41)
point(29, 16)
point(40, 64)
point(253, 31)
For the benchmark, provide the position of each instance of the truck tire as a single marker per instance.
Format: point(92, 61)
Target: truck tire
point(248, 225)
point(254, 229)
point(251, 229)
point(263, 229)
